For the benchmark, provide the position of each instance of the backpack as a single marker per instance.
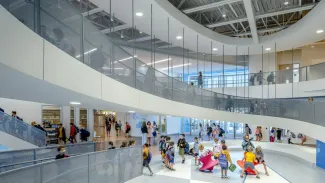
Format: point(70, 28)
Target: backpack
point(144, 129)
point(223, 161)
point(249, 131)
point(149, 157)
point(187, 148)
point(77, 129)
point(222, 131)
point(161, 145)
point(210, 129)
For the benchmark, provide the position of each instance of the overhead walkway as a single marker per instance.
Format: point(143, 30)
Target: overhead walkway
point(49, 67)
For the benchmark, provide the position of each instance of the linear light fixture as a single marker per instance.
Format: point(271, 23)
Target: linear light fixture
point(124, 59)
point(176, 66)
point(92, 50)
point(158, 61)
point(75, 103)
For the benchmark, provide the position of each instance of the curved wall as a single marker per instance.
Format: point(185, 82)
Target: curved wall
point(35, 60)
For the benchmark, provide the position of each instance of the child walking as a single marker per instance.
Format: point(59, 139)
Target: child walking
point(224, 158)
point(260, 158)
point(181, 146)
point(162, 144)
point(146, 157)
point(171, 155)
point(196, 150)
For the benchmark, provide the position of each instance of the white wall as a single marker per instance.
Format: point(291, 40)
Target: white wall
point(255, 63)
point(173, 125)
point(14, 142)
point(29, 111)
point(85, 83)
point(136, 119)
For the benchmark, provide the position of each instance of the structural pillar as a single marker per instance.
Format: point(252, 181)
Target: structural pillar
point(90, 123)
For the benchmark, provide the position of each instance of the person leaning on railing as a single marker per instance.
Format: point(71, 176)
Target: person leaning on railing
point(61, 155)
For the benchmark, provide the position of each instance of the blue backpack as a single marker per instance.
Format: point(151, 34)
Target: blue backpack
point(223, 161)
point(149, 157)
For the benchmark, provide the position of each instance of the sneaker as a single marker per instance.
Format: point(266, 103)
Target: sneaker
point(222, 176)
point(258, 177)
point(226, 177)
point(151, 174)
point(267, 173)
point(183, 161)
point(241, 176)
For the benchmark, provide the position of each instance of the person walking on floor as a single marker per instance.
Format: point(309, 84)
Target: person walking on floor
point(144, 131)
point(154, 132)
point(62, 137)
point(181, 147)
point(73, 133)
point(146, 157)
point(149, 134)
point(108, 123)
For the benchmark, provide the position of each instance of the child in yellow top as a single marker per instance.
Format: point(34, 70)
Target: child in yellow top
point(249, 163)
point(224, 158)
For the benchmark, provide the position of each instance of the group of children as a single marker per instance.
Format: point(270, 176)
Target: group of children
point(167, 150)
point(251, 157)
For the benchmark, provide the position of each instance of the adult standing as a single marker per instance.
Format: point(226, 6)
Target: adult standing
point(108, 123)
point(278, 134)
point(154, 132)
point(181, 145)
point(200, 80)
point(144, 131)
point(259, 78)
point(229, 103)
point(149, 134)
point(201, 132)
point(248, 130)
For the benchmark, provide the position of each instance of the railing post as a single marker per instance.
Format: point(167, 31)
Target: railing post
point(88, 168)
point(34, 156)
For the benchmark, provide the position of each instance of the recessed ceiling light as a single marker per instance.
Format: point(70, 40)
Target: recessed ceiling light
point(140, 32)
point(131, 112)
point(319, 31)
point(215, 49)
point(139, 14)
point(267, 49)
point(224, 15)
point(179, 37)
point(312, 46)
point(286, 3)
point(75, 103)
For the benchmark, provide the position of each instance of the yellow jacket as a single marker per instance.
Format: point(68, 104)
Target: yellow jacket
point(226, 152)
point(145, 153)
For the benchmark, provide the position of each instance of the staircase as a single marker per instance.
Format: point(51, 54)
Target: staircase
point(22, 130)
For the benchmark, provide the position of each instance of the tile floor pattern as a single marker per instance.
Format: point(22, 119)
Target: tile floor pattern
point(189, 173)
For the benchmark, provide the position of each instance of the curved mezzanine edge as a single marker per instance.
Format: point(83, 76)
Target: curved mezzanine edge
point(50, 69)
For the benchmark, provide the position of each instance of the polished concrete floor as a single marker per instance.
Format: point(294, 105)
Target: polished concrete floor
point(282, 169)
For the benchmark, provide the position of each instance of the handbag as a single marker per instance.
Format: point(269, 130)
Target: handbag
point(232, 167)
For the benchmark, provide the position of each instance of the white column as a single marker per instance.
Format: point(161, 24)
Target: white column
point(90, 123)
point(65, 118)
point(77, 121)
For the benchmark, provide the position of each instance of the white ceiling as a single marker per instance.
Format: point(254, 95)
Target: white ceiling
point(299, 34)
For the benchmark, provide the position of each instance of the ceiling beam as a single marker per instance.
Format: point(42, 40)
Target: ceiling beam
point(117, 28)
point(251, 20)
point(236, 15)
point(93, 11)
point(262, 31)
point(180, 4)
point(275, 13)
point(209, 6)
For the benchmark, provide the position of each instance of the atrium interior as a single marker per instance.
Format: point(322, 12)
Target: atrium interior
point(186, 91)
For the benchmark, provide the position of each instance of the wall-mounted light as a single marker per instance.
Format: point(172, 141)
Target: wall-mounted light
point(139, 14)
point(75, 103)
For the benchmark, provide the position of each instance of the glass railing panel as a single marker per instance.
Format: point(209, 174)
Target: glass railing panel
point(119, 165)
point(319, 113)
point(15, 157)
point(284, 76)
point(179, 91)
point(306, 112)
point(123, 74)
point(303, 74)
point(104, 162)
point(60, 35)
point(23, 11)
point(316, 72)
